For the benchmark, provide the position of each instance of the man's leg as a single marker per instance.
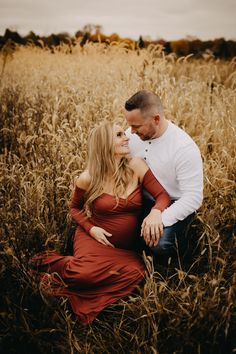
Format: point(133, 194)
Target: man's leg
point(174, 239)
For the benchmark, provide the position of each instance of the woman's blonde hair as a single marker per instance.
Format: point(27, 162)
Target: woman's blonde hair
point(103, 166)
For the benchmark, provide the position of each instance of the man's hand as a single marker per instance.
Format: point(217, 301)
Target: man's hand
point(101, 235)
point(152, 228)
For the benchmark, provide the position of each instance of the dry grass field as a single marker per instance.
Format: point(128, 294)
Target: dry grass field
point(48, 103)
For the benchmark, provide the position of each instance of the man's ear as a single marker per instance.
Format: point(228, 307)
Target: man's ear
point(157, 119)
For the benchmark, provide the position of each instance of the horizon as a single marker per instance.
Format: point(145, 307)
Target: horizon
point(148, 38)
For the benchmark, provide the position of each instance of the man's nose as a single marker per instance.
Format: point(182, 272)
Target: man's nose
point(133, 130)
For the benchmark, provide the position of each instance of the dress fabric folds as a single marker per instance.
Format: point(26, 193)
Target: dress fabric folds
point(98, 275)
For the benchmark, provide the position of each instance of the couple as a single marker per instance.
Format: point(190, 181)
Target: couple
point(107, 204)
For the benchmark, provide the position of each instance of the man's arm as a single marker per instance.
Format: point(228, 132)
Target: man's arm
point(189, 176)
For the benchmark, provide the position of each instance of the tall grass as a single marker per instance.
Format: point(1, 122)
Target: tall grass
point(49, 102)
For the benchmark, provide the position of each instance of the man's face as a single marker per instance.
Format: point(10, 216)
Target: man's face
point(146, 128)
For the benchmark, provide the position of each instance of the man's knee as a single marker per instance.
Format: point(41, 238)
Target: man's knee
point(167, 243)
point(174, 238)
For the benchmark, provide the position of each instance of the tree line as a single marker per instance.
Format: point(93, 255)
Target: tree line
point(218, 48)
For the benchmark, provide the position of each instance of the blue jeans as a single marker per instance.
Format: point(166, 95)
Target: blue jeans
point(174, 239)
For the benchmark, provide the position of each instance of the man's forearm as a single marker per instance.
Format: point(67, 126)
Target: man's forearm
point(181, 208)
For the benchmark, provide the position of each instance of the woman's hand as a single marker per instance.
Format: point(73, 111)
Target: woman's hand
point(101, 235)
point(152, 228)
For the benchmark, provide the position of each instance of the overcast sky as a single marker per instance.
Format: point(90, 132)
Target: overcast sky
point(167, 19)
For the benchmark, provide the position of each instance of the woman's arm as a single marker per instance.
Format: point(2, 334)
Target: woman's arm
point(150, 183)
point(152, 226)
point(77, 202)
point(77, 213)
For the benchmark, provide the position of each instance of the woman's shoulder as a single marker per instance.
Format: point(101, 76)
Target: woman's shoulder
point(83, 180)
point(139, 166)
point(136, 161)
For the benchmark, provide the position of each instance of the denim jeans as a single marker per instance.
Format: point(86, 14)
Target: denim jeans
point(174, 239)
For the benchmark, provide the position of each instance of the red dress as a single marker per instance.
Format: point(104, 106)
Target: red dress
point(98, 275)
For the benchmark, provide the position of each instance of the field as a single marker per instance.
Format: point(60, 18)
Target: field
point(49, 102)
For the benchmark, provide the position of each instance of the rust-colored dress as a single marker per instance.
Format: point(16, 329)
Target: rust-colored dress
point(98, 275)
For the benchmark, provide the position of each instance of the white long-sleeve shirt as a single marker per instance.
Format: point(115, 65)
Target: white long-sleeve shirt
point(175, 161)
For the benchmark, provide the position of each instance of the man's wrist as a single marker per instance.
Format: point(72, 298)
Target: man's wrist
point(157, 211)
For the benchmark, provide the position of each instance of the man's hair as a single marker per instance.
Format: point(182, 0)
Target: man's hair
point(147, 101)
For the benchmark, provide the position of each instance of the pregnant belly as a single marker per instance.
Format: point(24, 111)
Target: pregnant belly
point(124, 229)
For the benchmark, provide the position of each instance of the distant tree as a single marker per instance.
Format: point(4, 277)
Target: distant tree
point(181, 47)
point(219, 48)
point(92, 28)
point(85, 39)
point(13, 36)
point(114, 37)
point(79, 34)
point(167, 47)
point(141, 43)
point(87, 28)
point(31, 37)
point(231, 49)
point(98, 37)
point(98, 28)
point(196, 47)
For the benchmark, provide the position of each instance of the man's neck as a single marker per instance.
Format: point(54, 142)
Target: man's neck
point(161, 129)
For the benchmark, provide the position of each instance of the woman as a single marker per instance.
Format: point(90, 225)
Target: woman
point(106, 205)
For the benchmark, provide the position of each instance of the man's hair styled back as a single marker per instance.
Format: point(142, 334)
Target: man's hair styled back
point(147, 101)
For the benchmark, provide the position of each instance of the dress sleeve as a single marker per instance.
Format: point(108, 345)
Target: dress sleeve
point(151, 184)
point(76, 209)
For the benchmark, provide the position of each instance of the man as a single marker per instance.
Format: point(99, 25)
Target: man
point(175, 160)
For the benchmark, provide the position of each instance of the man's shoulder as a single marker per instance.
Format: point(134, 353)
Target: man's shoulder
point(183, 146)
point(176, 129)
point(180, 136)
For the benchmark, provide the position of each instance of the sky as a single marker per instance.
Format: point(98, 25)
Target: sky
point(154, 19)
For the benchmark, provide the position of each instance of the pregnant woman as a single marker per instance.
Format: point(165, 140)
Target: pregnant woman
point(106, 205)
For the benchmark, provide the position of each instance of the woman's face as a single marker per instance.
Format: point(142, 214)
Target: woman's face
point(120, 141)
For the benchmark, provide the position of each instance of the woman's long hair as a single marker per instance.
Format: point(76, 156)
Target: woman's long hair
point(103, 167)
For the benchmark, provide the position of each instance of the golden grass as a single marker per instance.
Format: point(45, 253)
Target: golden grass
point(49, 102)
